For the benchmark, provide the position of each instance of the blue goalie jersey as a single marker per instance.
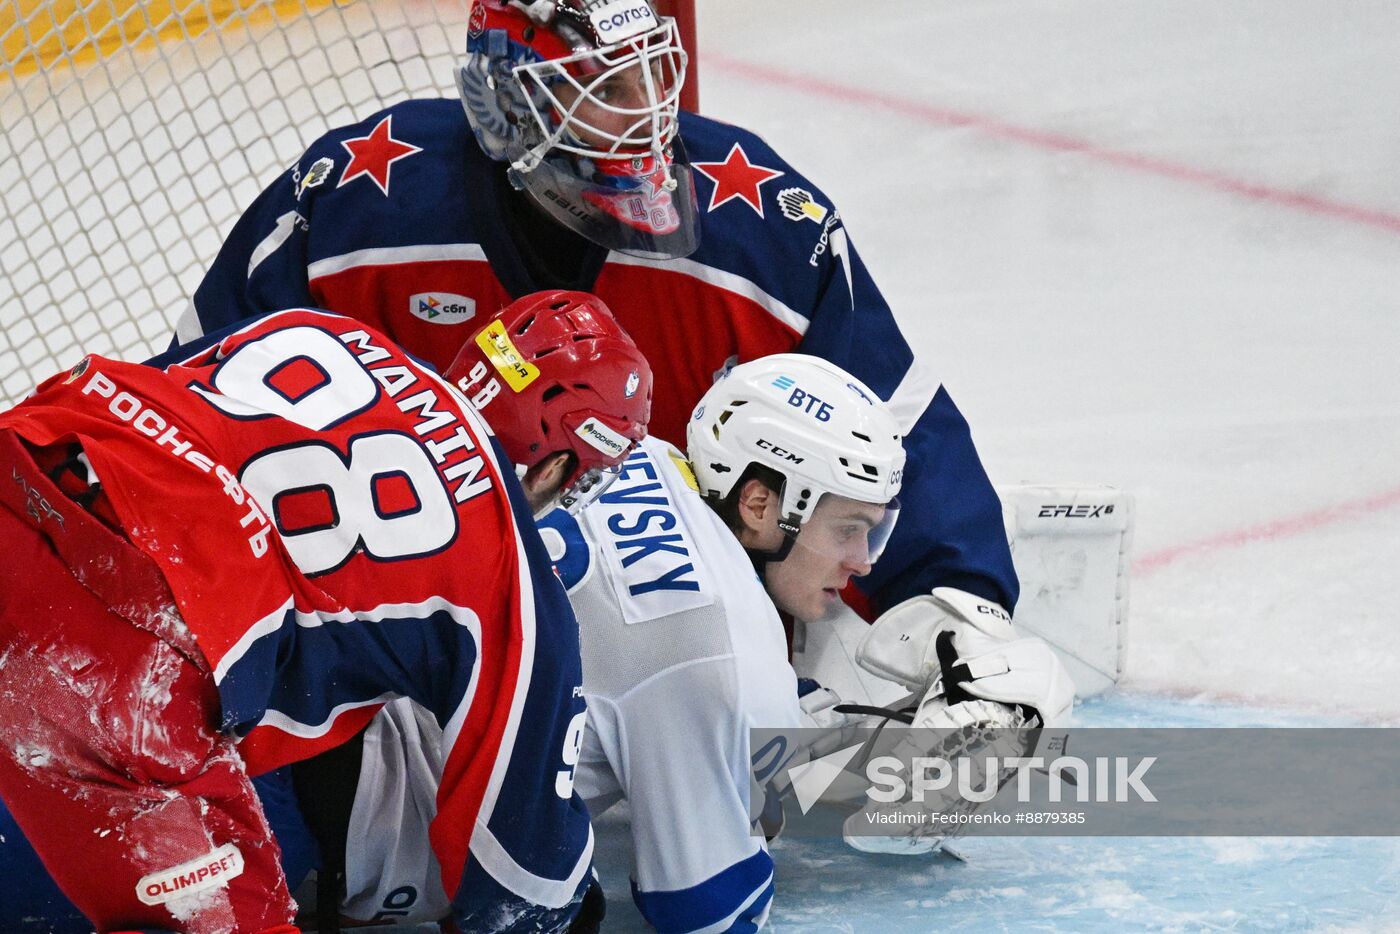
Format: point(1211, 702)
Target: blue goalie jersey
point(402, 222)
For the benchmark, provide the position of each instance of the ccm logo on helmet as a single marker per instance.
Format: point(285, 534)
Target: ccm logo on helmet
point(784, 453)
point(618, 21)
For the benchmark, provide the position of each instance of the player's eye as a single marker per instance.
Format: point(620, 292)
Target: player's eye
point(849, 533)
point(610, 89)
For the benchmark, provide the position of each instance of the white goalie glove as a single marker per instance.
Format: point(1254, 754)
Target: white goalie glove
point(985, 690)
point(956, 637)
point(967, 734)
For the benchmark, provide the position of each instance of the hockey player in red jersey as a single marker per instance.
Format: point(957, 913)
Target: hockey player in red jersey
point(230, 564)
point(567, 163)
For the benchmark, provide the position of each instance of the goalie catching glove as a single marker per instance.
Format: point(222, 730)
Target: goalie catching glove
point(984, 690)
point(957, 646)
point(965, 735)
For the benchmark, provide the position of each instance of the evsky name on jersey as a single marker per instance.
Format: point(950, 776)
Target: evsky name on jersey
point(646, 545)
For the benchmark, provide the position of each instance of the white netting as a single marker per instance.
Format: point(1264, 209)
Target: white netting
point(135, 132)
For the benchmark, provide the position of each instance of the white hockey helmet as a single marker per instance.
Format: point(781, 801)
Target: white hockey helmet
point(582, 97)
point(818, 426)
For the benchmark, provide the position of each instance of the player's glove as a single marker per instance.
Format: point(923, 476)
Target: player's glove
point(957, 646)
point(972, 730)
point(827, 725)
point(825, 728)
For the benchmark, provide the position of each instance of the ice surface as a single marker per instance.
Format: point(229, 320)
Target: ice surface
point(1081, 884)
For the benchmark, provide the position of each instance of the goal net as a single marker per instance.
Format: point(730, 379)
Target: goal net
point(135, 132)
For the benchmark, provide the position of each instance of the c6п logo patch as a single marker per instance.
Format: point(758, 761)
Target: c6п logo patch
point(442, 307)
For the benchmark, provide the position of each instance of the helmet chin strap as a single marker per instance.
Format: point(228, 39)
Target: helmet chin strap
point(761, 559)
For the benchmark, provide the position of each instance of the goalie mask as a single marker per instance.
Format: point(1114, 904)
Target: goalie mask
point(554, 371)
point(821, 429)
point(581, 98)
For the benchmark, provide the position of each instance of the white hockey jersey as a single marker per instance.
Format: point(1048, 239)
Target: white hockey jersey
point(683, 653)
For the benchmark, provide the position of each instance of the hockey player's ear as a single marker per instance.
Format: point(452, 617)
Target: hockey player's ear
point(758, 517)
point(543, 481)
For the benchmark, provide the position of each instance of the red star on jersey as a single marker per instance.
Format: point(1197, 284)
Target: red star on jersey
point(736, 177)
point(375, 154)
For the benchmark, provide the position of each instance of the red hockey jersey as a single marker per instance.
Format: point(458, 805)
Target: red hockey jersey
point(337, 530)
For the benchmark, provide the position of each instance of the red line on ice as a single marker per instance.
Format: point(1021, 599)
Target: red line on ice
point(1058, 142)
point(1267, 531)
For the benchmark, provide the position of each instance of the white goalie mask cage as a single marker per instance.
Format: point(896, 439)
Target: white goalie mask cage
point(823, 430)
point(582, 98)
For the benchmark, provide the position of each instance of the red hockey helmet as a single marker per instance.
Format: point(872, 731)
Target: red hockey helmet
point(572, 380)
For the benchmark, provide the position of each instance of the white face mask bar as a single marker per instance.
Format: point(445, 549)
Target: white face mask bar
point(645, 73)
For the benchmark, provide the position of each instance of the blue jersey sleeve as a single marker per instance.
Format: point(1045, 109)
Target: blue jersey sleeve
point(950, 532)
point(262, 264)
point(360, 187)
point(791, 250)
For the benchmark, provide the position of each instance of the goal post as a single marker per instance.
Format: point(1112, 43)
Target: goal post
point(134, 132)
point(684, 13)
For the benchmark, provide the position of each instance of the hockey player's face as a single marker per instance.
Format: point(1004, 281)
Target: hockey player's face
point(613, 108)
point(833, 546)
